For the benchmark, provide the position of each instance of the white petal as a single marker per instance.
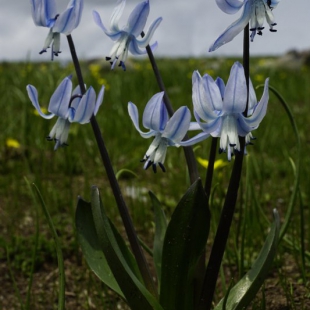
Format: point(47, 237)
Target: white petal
point(116, 14)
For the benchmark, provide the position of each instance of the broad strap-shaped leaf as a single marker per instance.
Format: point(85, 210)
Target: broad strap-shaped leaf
point(137, 296)
point(185, 240)
point(160, 231)
point(245, 290)
point(90, 246)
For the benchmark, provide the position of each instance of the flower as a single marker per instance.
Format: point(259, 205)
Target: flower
point(12, 143)
point(69, 107)
point(221, 109)
point(254, 11)
point(44, 14)
point(126, 38)
point(167, 132)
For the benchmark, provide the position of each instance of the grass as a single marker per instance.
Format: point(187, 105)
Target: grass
point(63, 175)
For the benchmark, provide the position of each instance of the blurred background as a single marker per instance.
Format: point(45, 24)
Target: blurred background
point(188, 29)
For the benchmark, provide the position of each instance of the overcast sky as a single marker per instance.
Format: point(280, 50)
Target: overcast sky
point(188, 29)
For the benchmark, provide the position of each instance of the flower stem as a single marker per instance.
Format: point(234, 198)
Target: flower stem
point(188, 151)
point(210, 169)
point(221, 237)
point(123, 210)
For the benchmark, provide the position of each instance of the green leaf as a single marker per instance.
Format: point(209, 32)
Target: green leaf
point(245, 290)
point(90, 246)
point(137, 296)
point(185, 240)
point(160, 231)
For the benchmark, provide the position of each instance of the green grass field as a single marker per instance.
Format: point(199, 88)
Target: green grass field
point(62, 176)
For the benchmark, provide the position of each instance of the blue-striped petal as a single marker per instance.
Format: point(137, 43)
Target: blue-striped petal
point(137, 18)
point(155, 115)
point(260, 109)
point(86, 107)
point(202, 100)
point(134, 115)
point(234, 29)
point(43, 12)
point(99, 100)
point(229, 6)
point(149, 33)
point(178, 125)
point(59, 102)
point(196, 139)
point(33, 95)
point(114, 35)
point(235, 96)
point(70, 18)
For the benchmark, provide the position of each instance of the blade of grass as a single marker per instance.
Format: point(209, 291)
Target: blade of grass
point(60, 260)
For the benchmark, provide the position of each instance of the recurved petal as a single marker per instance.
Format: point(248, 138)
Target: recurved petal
point(116, 14)
point(114, 35)
point(137, 18)
point(33, 96)
point(235, 96)
point(178, 125)
point(260, 109)
point(229, 6)
point(252, 98)
point(210, 126)
point(234, 29)
point(59, 102)
point(99, 100)
point(149, 33)
point(134, 115)
point(196, 139)
point(202, 100)
point(155, 115)
point(86, 107)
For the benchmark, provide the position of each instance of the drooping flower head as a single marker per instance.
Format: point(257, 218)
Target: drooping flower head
point(254, 11)
point(218, 109)
point(69, 107)
point(126, 38)
point(44, 13)
point(167, 132)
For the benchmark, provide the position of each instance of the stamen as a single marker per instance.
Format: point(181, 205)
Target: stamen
point(154, 168)
point(147, 164)
point(162, 167)
point(273, 30)
point(48, 138)
point(108, 58)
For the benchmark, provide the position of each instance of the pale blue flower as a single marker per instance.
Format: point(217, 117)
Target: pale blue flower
point(126, 38)
point(218, 109)
point(254, 11)
point(44, 13)
point(167, 132)
point(69, 107)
